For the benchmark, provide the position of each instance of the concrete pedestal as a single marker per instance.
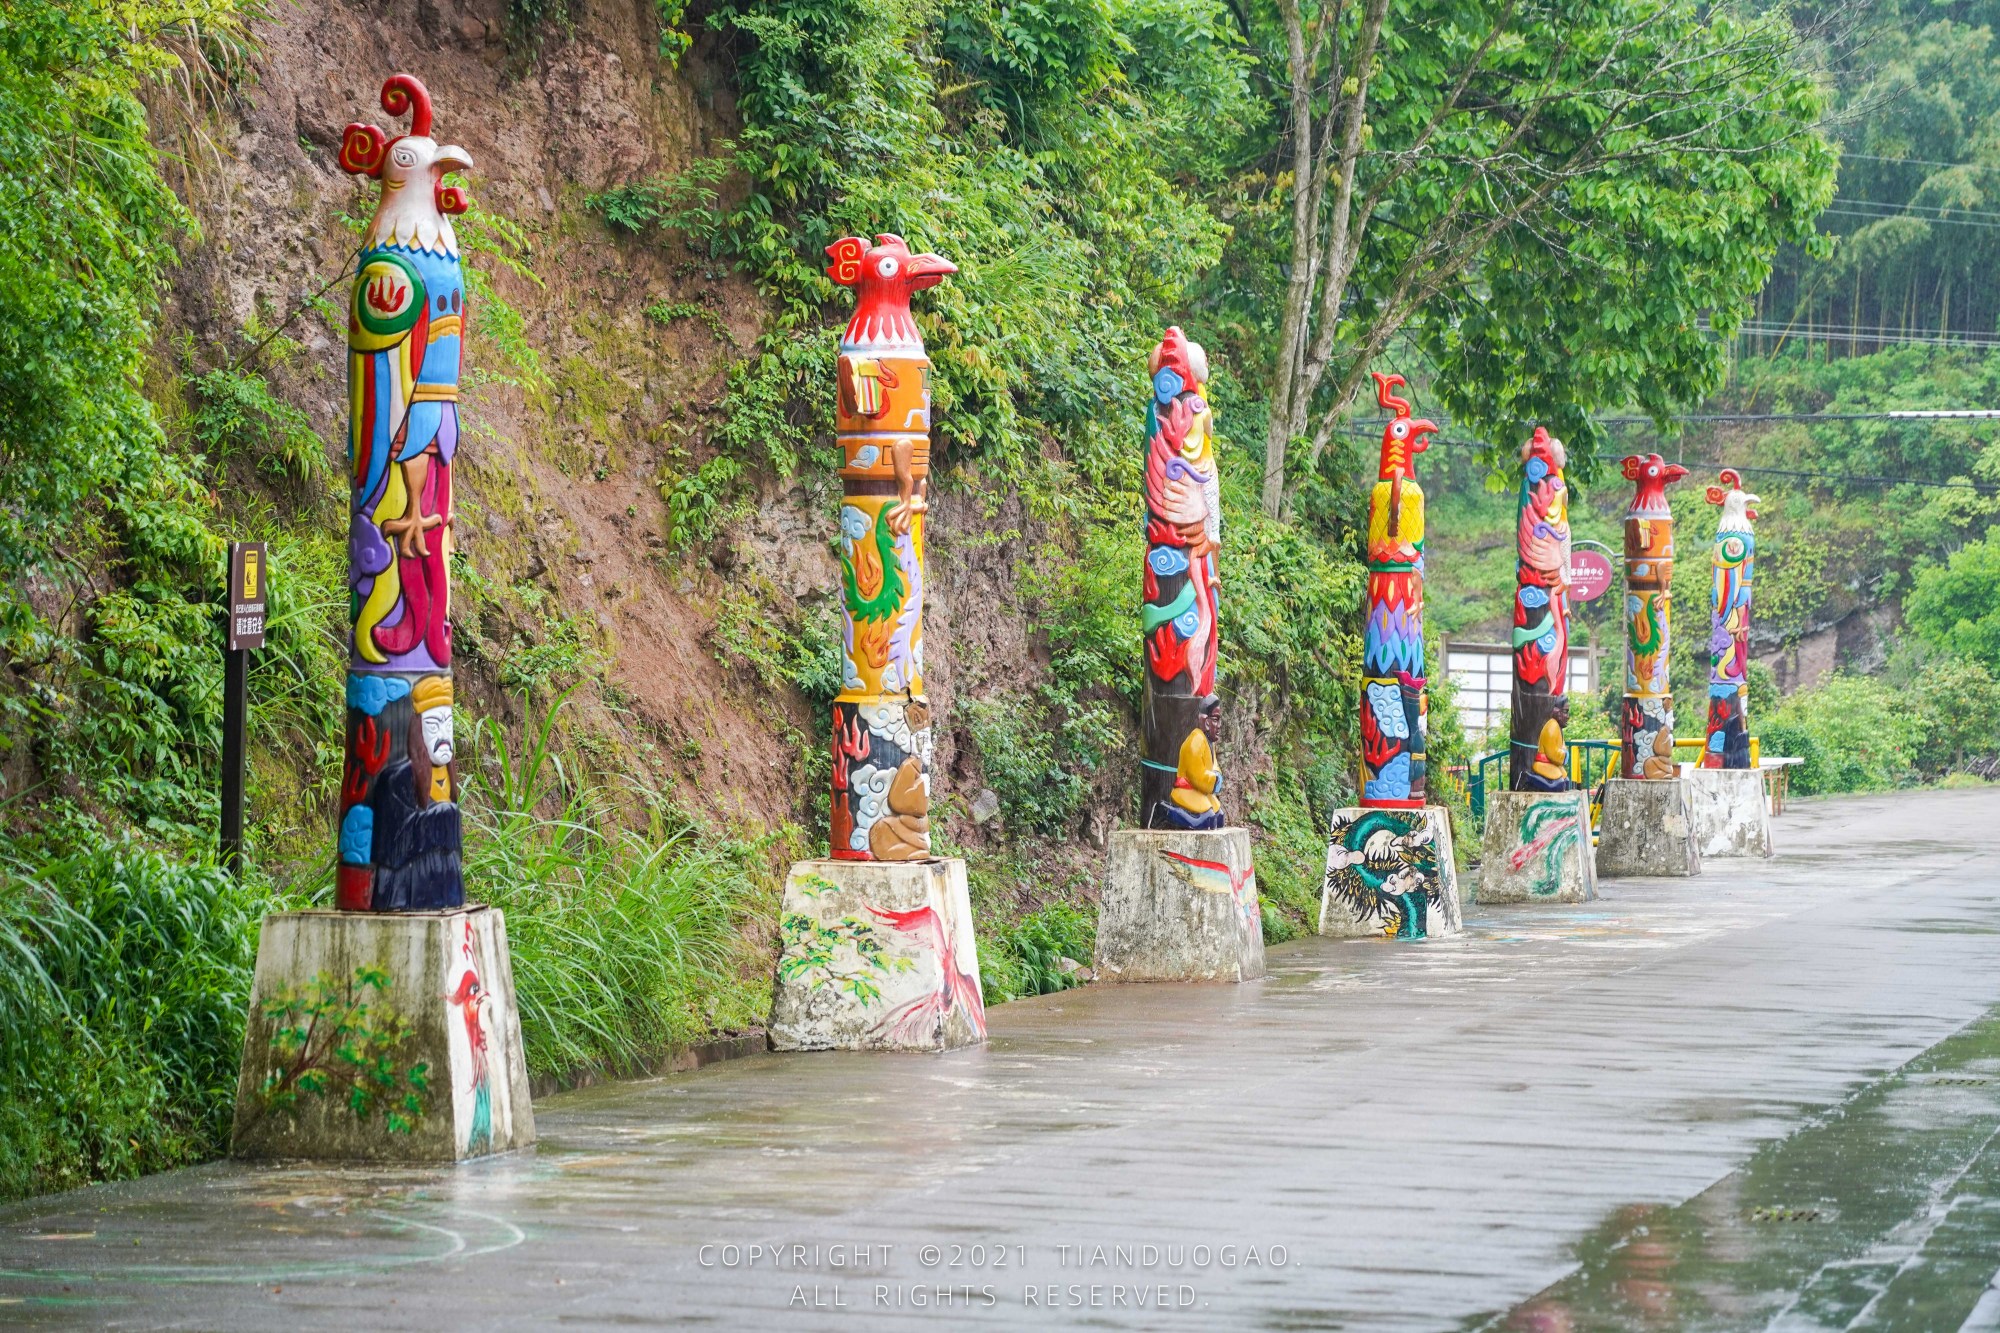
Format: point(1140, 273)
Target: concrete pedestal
point(1537, 849)
point(1730, 816)
point(1646, 827)
point(328, 980)
point(1180, 905)
point(1390, 872)
point(877, 956)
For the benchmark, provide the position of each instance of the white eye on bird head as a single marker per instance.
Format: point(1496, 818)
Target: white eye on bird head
point(1400, 429)
point(414, 158)
point(887, 266)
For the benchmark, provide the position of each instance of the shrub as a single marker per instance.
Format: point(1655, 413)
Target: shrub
point(1866, 733)
point(1026, 958)
point(1038, 750)
point(1957, 704)
point(1789, 739)
point(124, 986)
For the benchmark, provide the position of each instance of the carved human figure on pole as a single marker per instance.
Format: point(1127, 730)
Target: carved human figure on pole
point(1538, 758)
point(1179, 777)
point(1735, 559)
point(399, 827)
point(1646, 723)
point(881, 719)
point(1392, 648)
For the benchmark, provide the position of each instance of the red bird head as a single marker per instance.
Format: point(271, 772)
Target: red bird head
point(887, 275)
point(1403, 438)
point(1546, 449)
point(1654, 474)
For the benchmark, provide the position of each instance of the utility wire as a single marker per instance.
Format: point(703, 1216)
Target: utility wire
point(1895, 208)
point(1947, 222)
point(1920, 161)
point(1851, 478)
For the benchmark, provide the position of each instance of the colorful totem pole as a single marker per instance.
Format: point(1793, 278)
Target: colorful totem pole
point(1537, 835)
point(1179, 779)
point(1389, 868)
point(1179, 901)
point(881, 720)
point(1732, 817)
point(881, 912)
point(399, 824)
point(1538, 759)
point(1392, 646)
point(1645, 823)
point(1729, 626)
point(1646, 725)
point(399, 883)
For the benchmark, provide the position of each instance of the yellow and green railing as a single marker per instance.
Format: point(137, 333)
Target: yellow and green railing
point(1590, 763)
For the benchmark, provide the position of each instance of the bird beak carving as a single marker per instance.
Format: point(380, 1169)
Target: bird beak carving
point(451, 158)
point(929, 271)
point(1420, 431)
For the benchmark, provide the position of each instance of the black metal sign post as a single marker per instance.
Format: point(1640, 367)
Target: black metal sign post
point(247, 578)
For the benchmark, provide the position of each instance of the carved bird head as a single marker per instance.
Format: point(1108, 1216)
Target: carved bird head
point(885, 276)
point(1405, 436)
point(411, 167)
point(1739, 507)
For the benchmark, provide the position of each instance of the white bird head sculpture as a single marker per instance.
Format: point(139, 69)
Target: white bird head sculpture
point(416, 204)
point(1738, 505)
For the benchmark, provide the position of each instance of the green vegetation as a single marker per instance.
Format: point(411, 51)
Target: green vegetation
point(124, 983)
point(1098, 169)
point(627, 935)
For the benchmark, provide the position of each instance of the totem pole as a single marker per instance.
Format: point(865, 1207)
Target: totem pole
point(881, 720)
point(1646, 726)
point(399, 823)
point(1729, 626)
point(405, 938)
point(1536, 844)
point(1179, 901)
point(1646, 823)
point(1392, 651)
point(876, 947)
point(1178, 779)
point(1389, 864)
point(1538, 760)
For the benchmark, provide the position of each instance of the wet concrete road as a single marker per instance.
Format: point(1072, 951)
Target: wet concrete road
point(1607, 1116)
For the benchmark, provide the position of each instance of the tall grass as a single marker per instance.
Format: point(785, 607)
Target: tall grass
point(626, 939)
point(124, 980)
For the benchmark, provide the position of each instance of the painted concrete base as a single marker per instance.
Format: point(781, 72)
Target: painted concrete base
point(877, 956)
point(1647, 828)
point(1537, 849)
point(1390, 872)
point(1180, 905)
point(1731, 817)
point(447, 975)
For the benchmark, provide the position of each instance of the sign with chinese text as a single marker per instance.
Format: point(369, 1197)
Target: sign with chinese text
point(1589, 575)
point(248, 576)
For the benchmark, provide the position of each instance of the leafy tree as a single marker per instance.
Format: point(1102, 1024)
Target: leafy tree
point(1547, 199)
point(1956, 606)
point(1958, 703)
point(1916, 110)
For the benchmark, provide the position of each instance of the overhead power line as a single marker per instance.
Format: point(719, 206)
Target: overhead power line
point(1845, 478)
point(1941, 221)
point(1920, 161)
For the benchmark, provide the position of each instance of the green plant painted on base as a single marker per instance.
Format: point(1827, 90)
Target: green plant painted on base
point(809, 950)
point(339, 1041)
